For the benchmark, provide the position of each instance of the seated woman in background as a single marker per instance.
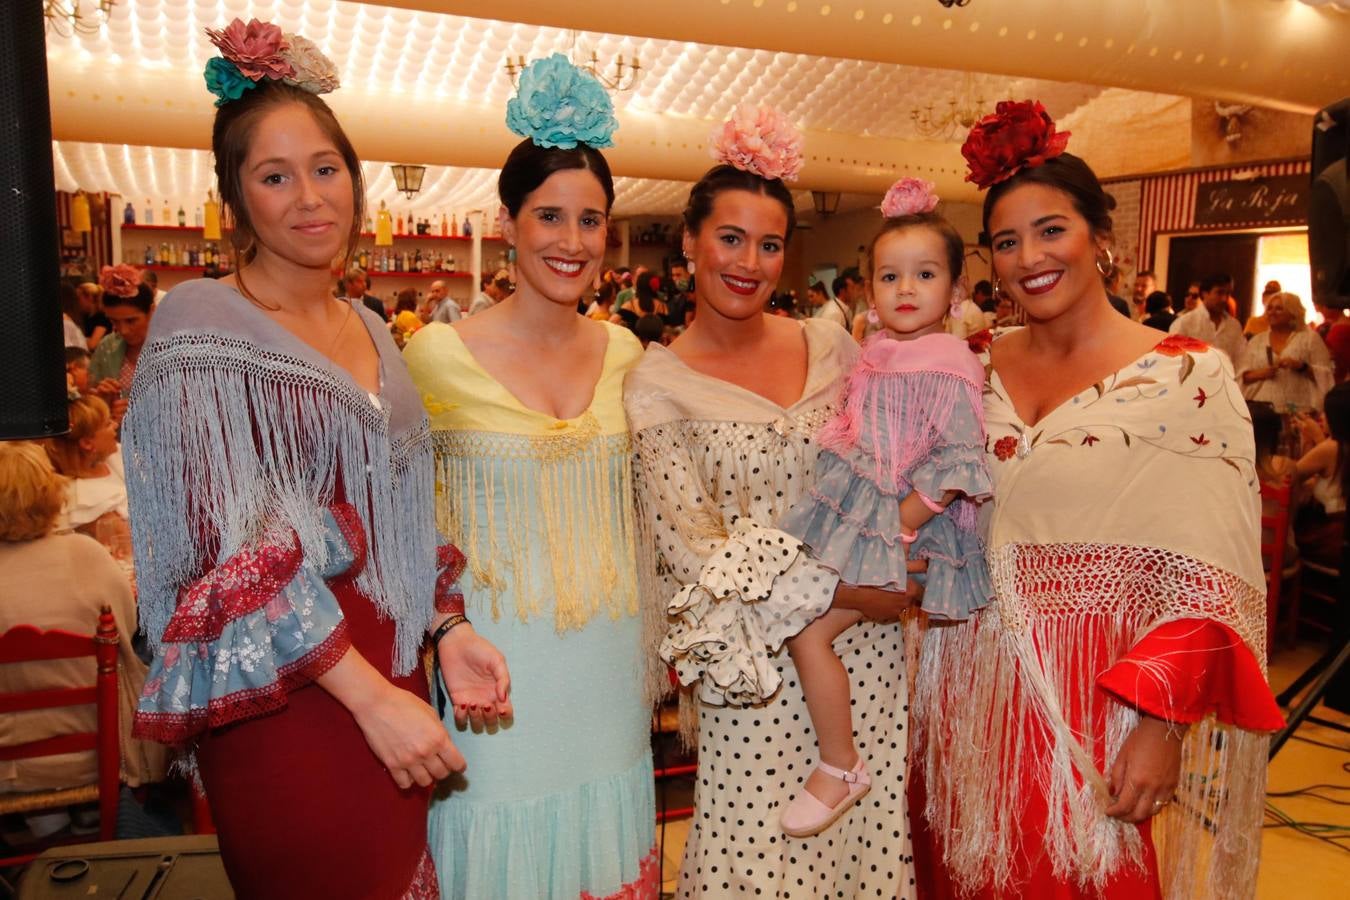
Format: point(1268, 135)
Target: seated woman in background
point(1327, 468)
point(406, 319)
point(96, 324)
point(52, 580)
point(1272, 468)
point(88, 455)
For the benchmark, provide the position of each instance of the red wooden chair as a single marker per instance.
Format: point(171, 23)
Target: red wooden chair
point(1274, 540)
point(24, 644)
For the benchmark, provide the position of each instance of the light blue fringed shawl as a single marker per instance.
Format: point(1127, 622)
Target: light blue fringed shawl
point(235, 426)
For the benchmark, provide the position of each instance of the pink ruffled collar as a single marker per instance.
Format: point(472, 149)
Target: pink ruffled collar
point(930, 353)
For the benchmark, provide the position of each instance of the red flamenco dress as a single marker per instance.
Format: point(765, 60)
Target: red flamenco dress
point(1123, 546)
point(282, 518)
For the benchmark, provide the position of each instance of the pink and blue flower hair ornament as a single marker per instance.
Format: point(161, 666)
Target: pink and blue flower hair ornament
point(255, 51)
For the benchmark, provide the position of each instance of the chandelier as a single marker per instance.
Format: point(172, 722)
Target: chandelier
point(963, 111)
point(68, 17)
point(950, 3)
point(625, 78)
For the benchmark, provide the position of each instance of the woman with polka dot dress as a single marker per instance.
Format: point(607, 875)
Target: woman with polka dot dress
point(723, 420)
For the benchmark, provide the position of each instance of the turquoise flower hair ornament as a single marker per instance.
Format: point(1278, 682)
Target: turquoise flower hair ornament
point(257, 50)
point(560, 105)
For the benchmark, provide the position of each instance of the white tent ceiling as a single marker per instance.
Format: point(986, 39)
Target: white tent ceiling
point(438, 81)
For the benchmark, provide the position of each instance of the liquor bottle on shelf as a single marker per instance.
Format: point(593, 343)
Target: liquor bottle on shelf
point(468, 226)
point(164, 253)
point(182, 217)
point(165, 215)
point(149, 258)
point(445, 226)
point(450, 264)
point(149, 213)
point(128, 214)
point(367, 225)
point(400, 224)
point(200, 219)
point(384, 227)
point(454, 225)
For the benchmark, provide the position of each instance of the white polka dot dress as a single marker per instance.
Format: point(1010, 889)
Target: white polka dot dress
point(717, 467)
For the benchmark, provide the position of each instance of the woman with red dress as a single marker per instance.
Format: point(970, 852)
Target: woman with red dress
point(280, 480)
point(1101, 729)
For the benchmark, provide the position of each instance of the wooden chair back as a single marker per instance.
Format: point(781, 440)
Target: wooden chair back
point(27, 644)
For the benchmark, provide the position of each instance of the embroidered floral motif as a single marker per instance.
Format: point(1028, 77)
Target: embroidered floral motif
point(1179, 345)
point(980, 341)
point(1089, 440)
point(1200, 397)
point(1200, 441)
point(1005, 447)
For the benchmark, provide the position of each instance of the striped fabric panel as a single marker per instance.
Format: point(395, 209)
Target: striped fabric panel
point(1168, 201)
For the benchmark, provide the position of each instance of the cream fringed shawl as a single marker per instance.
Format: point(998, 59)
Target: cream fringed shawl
point(236, 427)
point(717, 466)
point(542, 507)
point(1131, 505)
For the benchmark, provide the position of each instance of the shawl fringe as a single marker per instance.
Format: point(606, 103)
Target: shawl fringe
point(225, 441)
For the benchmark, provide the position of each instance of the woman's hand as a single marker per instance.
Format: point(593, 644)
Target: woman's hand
point(407, 737)
point(476, 678)
point(403, 732)
point(1144, 777)
point(880, 605)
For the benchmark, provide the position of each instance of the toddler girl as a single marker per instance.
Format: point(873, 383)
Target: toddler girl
point(899, 468)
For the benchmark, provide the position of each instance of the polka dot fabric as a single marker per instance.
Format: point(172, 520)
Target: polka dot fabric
point(718, 466)
point(752, 761)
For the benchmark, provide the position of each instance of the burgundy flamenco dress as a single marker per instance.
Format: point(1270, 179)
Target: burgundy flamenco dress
point(282, 517)
point(1123, 546)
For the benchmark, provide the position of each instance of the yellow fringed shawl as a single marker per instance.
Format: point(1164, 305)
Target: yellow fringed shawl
point(541, 506)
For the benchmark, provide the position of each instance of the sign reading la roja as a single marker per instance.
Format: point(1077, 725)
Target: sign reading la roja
point(1278, 200)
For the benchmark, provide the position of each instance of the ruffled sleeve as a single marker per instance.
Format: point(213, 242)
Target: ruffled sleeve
point(743, 587)
point(252, 629)
point(957, 460)
point(1185, 669)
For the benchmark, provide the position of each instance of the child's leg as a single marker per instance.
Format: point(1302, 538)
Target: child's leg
point(825, 686)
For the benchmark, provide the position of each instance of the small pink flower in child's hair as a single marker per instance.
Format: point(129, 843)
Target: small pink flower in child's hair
point(1200, 441)
point(1005, 447)
point(1200, 398)
point(909, 197)
point(1089, 440)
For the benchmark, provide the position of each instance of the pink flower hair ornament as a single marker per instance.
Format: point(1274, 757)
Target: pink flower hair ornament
point(759, 140)
point(250, 53)
point(909, 197)
point(121, 280)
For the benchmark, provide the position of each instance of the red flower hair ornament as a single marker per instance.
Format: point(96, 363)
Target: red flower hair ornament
point(1016, 136)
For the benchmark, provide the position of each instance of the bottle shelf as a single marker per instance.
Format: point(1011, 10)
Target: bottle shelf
point(487, 238)
point(431, 275)
point(159, 268)
point(180, 229)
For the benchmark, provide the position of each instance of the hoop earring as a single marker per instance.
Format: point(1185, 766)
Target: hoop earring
point(1110, 263)
point(998, 288)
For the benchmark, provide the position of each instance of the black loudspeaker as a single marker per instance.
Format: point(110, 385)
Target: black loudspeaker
point(32, 358)
point(1329, 207)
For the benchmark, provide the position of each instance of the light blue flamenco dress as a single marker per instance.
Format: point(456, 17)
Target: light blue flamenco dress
point(559, 803)
point(911, 420)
